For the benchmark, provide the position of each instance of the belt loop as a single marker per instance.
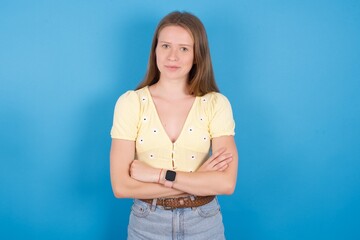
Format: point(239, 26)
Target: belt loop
point(153, 205)
point(192, 198)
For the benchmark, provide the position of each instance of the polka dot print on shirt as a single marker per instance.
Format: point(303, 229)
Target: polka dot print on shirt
point(153, 146)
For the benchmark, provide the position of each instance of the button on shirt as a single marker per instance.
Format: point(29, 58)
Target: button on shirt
point(136, 119)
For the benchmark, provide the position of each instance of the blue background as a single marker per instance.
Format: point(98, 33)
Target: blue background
point(290, 69)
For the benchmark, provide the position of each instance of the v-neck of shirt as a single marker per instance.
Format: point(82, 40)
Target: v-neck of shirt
point(159, 120)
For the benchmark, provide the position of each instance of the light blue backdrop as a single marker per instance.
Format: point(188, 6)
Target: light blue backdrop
point(290, 68)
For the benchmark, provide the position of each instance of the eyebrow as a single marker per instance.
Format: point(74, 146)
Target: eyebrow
point(181, 44)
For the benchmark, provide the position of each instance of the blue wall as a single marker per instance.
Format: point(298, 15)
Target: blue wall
point(290, 69)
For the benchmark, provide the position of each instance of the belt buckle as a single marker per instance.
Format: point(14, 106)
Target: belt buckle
point(165, 205)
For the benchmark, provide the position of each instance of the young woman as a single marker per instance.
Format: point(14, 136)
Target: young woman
point(162, 136)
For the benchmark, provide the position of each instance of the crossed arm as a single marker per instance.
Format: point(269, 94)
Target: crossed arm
point(132, 178)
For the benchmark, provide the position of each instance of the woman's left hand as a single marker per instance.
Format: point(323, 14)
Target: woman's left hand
point(143, 172)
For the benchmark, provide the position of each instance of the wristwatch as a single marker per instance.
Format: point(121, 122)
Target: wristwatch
point(169, 178)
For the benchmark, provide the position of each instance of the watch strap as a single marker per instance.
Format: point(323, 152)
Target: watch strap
point(168, 184)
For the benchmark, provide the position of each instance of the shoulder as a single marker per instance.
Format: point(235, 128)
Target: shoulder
point(215, 99)
point(132, 97)
point(219, 113)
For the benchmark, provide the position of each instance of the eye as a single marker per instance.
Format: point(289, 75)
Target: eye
point(166, 46)
point(184, 49)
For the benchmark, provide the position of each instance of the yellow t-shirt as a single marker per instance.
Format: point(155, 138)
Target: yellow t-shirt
point(136, 119)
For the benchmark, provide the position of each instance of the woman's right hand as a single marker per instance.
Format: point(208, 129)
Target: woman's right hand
point(219, 161)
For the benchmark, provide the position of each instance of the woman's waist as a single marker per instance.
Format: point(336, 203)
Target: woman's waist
point(180, 202)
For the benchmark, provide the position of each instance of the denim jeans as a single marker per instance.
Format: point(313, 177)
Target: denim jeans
point(154, 222)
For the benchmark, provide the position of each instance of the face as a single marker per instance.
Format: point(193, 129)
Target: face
point(174, 53)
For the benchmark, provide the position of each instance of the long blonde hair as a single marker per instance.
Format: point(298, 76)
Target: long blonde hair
point(201, 78)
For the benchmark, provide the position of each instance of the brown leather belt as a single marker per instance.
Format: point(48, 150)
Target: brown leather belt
point(181, 202)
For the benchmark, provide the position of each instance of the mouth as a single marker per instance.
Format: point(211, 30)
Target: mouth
point(173, 68)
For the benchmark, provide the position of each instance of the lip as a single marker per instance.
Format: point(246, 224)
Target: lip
point(173, 68)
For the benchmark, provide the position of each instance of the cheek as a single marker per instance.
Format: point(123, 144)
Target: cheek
point(190, 61)
point(157, 58)
point(191, 58)
point(160, 57)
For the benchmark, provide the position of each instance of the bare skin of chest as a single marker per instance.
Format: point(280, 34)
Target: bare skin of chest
point(173, 114)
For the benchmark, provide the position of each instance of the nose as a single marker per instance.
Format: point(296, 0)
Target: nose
point(173, 55)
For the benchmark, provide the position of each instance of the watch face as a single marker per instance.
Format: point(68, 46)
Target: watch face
point(170, 175)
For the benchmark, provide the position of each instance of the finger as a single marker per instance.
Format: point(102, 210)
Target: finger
point(228, 159)
point(223, 168)
point(133, 162)
point(222, 163)
point(225, 162)
point(217, 154)
point(221, 158)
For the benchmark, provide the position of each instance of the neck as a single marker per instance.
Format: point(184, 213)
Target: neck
point(171, 89)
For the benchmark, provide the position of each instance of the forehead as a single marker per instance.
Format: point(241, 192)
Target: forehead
point(175, 35)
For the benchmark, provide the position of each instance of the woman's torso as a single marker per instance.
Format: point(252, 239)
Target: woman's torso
point(186, 144)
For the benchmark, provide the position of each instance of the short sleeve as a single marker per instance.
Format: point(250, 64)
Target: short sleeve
point(126, 117)
point(221, 117)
